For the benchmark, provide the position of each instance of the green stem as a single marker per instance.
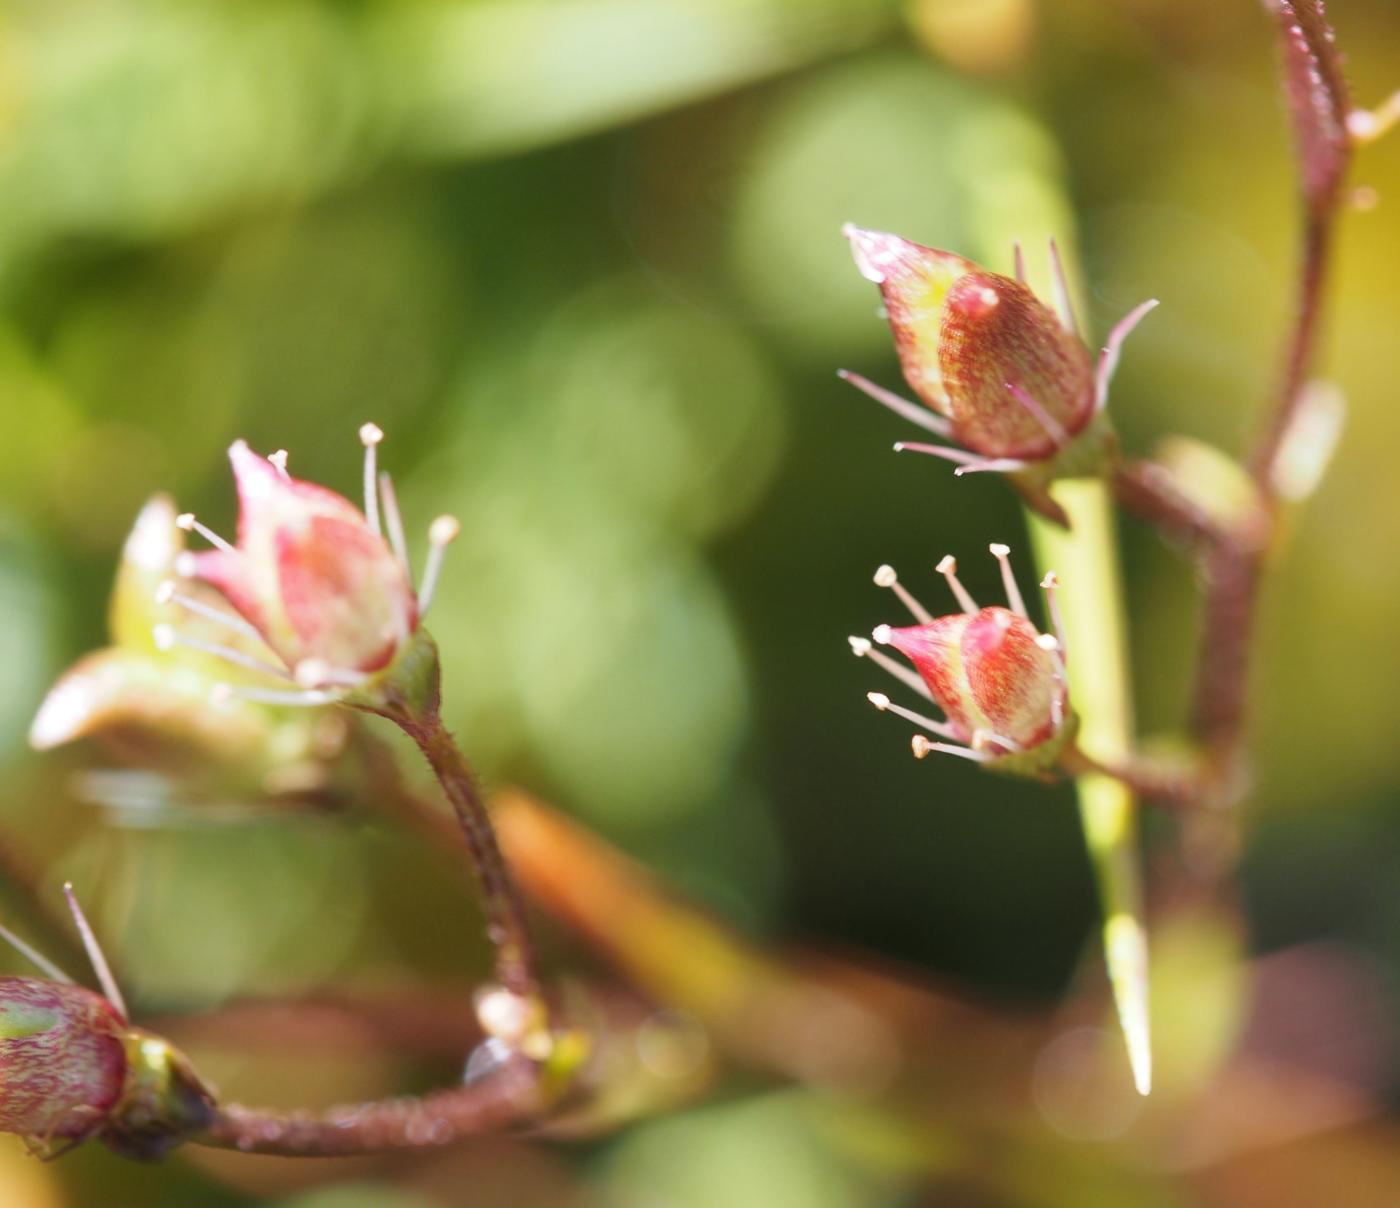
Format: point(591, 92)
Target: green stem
point(1085, 557)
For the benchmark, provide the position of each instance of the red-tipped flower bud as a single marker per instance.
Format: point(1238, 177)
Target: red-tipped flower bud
point(1000, 683)
point(997, 370)
point(980, 349)
point(309, 573)
point(62, 1059)
point(987, 672)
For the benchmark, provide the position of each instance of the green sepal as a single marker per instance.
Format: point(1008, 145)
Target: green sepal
point(163, 1104)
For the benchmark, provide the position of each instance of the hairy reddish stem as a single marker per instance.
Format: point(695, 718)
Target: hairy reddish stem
point(1233, 574)
point(511, 1095)
point(505, 912)
point(1171, 784)
point(1146, 489)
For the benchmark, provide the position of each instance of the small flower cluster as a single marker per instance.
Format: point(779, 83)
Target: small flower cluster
point(999, 682)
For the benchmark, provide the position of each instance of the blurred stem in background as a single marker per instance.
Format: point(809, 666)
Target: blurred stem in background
point(1085, 557)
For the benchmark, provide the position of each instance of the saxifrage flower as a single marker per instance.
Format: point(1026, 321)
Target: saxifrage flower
point(312, 577)
point(995, 369)
point(999, 681)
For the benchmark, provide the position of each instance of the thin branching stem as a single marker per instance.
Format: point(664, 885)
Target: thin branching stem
point(511, 1095)
point(505, 911)
point(1233, 571)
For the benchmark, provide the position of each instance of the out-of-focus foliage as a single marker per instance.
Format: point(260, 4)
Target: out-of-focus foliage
point(581, 260)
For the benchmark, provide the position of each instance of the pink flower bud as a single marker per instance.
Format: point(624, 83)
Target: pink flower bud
point(999, 682)
point(988, 674)
point(321, 586)
point(62, 1059)
point(997, 371)
point(980, 349)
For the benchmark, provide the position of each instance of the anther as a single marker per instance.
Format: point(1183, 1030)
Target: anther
point(1002, 553)
point(441, 533)
point(948, 568)
point(279, 461)
point(922, 748)
point(187, 521)
point(370, 436)
point(885, 577)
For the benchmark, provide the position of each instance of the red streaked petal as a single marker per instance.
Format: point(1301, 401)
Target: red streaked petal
point(344, 594)
point(1013, 683)
point(996, 335)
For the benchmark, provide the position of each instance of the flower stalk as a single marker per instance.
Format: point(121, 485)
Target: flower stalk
point(1086, 554)
point(409, 694)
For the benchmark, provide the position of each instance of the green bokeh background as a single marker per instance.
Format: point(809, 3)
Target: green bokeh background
point(581, 260)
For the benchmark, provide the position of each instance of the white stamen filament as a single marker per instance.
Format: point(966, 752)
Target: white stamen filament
point(1053, 428)
point(902, 407)
point(167, 637)
point(1018, 259)
point(981, 738)
point(187, 521)
point(1066, 307)
point(271, 696)
point(885, 705)
point(967, 463)
point(1050, 585)
point(36, 958)
point(922, 747)
point(1113, 348)
point(885, 577)
point(960, 456)
point(862, 649)
point(95, 955)
point(441, 533)
point(1002, 553)
point(995, 465)
point(393, 520)
point(948, 568)
point(370, 436)
point(317, 673)
point(169, 593)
